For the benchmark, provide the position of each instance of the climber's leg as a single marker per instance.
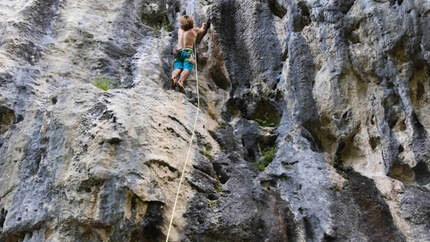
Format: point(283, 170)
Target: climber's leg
point(178, 65)
point(188, 67)
point(184, 75)
point(175, 75)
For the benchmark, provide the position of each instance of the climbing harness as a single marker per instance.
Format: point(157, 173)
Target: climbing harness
point(189, 148)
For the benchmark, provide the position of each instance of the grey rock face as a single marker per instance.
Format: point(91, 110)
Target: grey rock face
point(415, 209)
point(313, 125)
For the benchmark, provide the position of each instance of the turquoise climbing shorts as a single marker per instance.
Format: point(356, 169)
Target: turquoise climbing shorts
point(182, 61)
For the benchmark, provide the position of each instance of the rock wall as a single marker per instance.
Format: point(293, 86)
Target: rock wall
point(313, 127)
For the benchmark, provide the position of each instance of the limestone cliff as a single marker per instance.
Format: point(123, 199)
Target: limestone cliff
point(314, 124)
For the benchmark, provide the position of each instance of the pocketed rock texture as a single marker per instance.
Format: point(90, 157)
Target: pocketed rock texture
point(313, 124)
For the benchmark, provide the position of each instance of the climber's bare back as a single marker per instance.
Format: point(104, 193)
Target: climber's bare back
point(186, 38)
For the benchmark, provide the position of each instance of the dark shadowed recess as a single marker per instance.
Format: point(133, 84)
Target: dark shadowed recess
point(150, 229)
point(7, 119)
point(3, 213)
point(361, 204)
point(250, 59)
point(271, 218)
point(236, 57)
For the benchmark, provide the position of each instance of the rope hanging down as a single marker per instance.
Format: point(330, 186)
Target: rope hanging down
point(189, 149)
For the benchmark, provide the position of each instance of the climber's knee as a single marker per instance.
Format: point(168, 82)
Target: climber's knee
point(185, 73)
point(176, 73)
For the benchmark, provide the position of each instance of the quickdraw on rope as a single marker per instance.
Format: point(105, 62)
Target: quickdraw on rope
point(189, 148)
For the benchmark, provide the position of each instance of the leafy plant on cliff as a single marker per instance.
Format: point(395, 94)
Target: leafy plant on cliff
point(207, 152)
point(265, 123)
point(211, 203)
point(102, 82)
point(218, 187)
point(166, 24)
point(105, 83)
point(267, 156)
point(155, 30)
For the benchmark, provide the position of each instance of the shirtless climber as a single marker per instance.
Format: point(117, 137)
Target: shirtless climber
point(184, 56)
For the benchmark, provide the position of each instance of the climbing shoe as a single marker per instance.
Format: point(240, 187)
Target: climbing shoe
point(174, 82)
point(181, 86)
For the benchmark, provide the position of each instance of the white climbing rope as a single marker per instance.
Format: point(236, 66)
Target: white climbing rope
point(189, 148)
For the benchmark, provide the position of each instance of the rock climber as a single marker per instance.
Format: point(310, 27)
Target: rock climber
point(184, 56)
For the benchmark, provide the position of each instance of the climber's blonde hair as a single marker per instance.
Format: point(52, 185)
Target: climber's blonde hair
point(187, 23)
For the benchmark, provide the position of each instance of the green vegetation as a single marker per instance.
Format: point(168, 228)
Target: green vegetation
point(265, 122)
point(211, 203)
point(102, 83)
point(155, 30)
point(267, 156)
point(218, 187)
point(166, 25)
point(207, 152)
point(105, 83)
